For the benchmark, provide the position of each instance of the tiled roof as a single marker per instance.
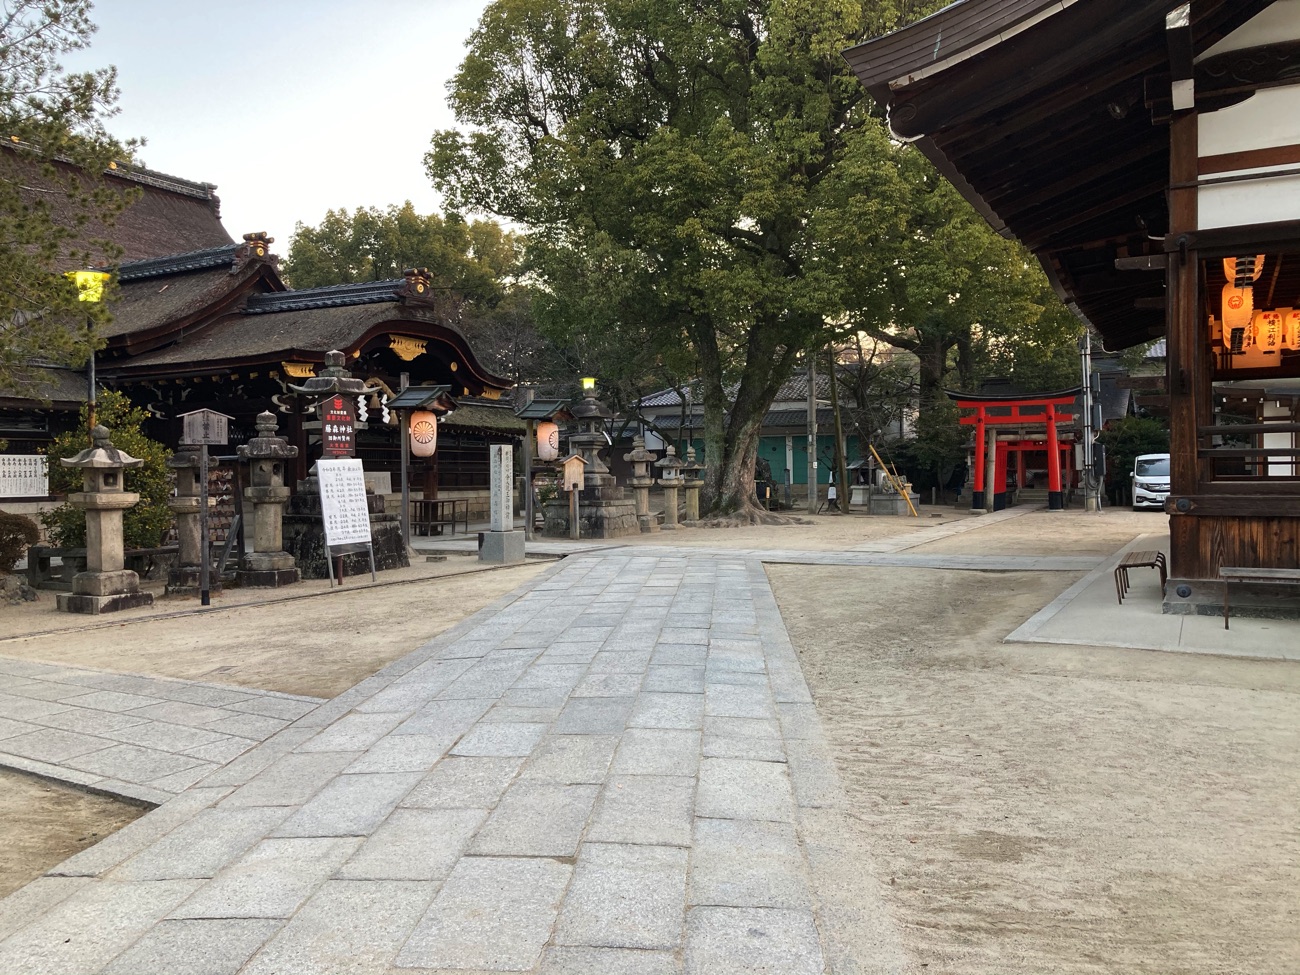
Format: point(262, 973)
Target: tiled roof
point(331, 296)
point(795, 388)
point(153, 267)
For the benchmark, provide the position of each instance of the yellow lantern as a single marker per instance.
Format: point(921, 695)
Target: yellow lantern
point(548, 441)
point(424, 433)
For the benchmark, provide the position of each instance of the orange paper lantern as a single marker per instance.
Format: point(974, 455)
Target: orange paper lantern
point(548, 441)
point(424, 433)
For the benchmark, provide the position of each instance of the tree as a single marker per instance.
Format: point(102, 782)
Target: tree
point(144, 525)
point(54, 123)
point(473, 261)
point(705, 175)
point(966, 302)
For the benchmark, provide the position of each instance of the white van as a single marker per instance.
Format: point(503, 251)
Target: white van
point(1150, 481)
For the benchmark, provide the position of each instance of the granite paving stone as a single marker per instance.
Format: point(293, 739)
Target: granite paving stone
point(625, 896)
point(742, 789)
point(493, 913)
point(201, 846)
point(464, 783)
point(572, 759)
point(218, 946)
point(66, 939)
point(348, 927)
point(133, 763)
point(353, 732)
point(271, 880)
point(499, 740)
point(654, 710)
point(744, 863)
point(53, 745)
point(593, 716)
point(608, 961)
point(291, 780)
point(537, 819)
point(350, 805)
point(739, 941)
point(653, 809)
point(414, 844)
point(758, 749)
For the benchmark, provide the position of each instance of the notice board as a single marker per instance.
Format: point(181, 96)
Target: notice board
point(343, 502)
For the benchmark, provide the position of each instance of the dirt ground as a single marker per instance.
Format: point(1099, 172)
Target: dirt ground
point(1038, 808)
point(45, 822)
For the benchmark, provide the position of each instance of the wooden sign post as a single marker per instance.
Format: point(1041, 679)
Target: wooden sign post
point(202, 428)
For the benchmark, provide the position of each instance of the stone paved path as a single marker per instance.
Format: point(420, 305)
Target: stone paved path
point(618, 769)
point(145, 738)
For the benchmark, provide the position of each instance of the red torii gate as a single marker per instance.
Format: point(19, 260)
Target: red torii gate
point(1024, 412)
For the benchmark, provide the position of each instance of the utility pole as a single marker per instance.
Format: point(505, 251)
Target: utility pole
point(812, 432)
point(1091, 493)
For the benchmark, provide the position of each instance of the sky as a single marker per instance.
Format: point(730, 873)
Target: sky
point(292, 107)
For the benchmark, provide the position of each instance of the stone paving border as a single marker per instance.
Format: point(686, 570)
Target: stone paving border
point(145, 739)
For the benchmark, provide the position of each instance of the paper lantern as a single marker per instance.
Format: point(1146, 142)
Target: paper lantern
point(548, 441)
point(424, 433)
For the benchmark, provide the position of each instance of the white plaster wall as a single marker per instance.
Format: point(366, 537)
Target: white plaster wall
point(1280, 22)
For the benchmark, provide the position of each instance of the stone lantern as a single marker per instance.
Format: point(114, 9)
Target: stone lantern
point(641, 482)
point(692, 483)
point(106, 585)
point(670, 480)
point(267, 565)
point(183, 577)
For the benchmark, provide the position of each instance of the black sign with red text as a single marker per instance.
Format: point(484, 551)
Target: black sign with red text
point(337, 427)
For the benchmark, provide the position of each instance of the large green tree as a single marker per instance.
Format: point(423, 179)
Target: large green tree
point(472, 260)
point(52, 199)
point(700, 177)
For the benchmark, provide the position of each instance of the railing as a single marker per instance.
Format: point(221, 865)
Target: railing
point(432, 516)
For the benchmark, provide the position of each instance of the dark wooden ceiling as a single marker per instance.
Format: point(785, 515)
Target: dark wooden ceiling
point(1049, 133)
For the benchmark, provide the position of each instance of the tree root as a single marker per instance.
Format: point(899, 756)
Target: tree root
point(749, 516)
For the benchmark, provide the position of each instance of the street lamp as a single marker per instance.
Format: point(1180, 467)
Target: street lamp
point(90, 287)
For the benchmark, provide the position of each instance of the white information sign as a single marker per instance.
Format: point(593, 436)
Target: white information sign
point(343, 501)
point(24, 476)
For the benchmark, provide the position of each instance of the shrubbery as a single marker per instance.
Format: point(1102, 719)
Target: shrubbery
point(143, 525)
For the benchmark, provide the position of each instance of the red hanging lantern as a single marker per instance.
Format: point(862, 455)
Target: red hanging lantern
point(548, 441)
point(424, 433)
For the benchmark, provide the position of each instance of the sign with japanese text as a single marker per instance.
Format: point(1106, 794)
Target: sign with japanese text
point(343, 501)
point(24, 476)
point(337, 426)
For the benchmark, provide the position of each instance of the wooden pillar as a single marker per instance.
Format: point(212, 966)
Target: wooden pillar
point(977, 491)
point(1187, 377)
point(1055, 497)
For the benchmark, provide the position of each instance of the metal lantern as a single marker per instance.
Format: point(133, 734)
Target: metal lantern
point(424, 433)
point(548, 441)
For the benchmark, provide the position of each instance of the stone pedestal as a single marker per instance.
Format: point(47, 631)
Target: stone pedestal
point(641, 482)
point(106, 585)
point(267, 565)
point(501, 548)
point(183, 576)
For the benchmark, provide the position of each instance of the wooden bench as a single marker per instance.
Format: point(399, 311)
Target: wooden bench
point(1139, 560)
point(432, 516)
point(1255, 577)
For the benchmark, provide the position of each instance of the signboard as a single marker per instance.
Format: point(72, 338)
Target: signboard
point(337, 426)
point(24, 476)
point(205, 427)
point(343, 502)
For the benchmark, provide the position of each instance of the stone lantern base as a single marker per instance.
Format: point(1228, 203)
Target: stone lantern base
point(268, 570)
point(104, 592)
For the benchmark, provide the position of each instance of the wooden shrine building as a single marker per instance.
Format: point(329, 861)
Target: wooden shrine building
point(203, 321)
point(1148, 152)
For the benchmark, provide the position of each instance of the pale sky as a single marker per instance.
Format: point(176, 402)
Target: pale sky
point(292, 107)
